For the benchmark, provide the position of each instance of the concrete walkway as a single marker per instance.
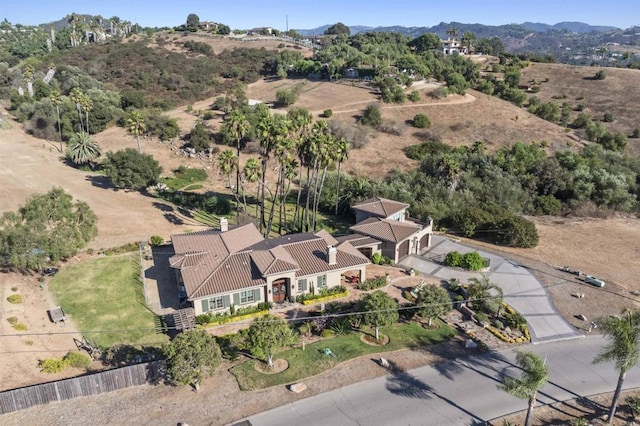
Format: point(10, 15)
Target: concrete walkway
point(521, 288)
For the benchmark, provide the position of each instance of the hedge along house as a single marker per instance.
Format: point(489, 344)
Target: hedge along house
point(387, 222)
point(220, 268)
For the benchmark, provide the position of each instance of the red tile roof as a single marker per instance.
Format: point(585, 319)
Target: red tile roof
point(386, 229)
point(380, 206)
point(213, 262)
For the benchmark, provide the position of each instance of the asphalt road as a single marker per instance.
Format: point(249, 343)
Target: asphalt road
point(460, 392)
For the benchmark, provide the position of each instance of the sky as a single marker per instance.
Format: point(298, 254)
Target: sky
point(309, 14)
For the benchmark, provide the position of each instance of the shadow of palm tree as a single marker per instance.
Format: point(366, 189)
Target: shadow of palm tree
point(405, 384)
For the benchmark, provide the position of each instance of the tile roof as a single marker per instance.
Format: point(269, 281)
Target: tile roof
point(358, 240)
point(386, 229)
point(213, 262)
point(380, 206)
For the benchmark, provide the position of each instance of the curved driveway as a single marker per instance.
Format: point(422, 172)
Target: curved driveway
point(521, 288)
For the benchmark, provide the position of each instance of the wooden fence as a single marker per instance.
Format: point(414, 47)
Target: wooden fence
point(92, 384)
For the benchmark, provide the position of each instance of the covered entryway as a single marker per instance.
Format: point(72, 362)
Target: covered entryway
point(279, 290)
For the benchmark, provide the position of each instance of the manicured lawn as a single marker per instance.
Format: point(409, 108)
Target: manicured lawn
point(106, 293)
point(313, 361)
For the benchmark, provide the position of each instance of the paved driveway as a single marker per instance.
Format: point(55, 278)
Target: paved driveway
point(522, 290)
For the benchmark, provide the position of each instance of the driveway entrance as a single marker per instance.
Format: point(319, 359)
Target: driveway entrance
point(521, 289)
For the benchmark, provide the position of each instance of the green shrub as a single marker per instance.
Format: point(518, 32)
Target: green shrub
point(472, 261)
point(376, 258)
point(414, 96)
point(421, 121)
point(608, 117)
point(77, 360)
point(156, 240)
point(327, 333)
point(15, 299)
point(498, 324)
point(371, 116)
point(600, 75)
point(636, 133)
point(453, 259)
point(52, 365)
point(516, 231)
point(327, 113)
point(286, 97)
point(373, 283)
point(481, 317)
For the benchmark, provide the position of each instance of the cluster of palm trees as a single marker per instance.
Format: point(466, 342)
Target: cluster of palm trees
point(300, 147)
point(92, 29)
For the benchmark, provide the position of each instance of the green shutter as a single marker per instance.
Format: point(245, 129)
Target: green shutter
point(304, 284)
point(236, 298)
point(226, 301)
point(205, 305)
point(256, 295)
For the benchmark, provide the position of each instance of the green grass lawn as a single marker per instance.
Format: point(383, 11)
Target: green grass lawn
point(106, 293)
point(313, 361)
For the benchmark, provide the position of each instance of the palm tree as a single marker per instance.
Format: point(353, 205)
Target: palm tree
point(535, 375)
point(228, 162)
point(77, 97)
point(136, 126)
point(82, 149)
point(87, 105)
point(237, 128)
point(251, 173)
point(483, 293)
point(56, 99)
point(623, 350)
point(342, 154)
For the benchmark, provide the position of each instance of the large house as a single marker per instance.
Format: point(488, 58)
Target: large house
point(220, 268)
point(216, 269)
point(383, 226)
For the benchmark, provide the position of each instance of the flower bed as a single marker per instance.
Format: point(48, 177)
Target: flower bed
point(374, 283)
point(323, 296)
point(320, 298)
point(211, 319)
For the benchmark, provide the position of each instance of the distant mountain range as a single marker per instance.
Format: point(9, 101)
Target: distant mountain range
point(568, 42)
point(478, 29)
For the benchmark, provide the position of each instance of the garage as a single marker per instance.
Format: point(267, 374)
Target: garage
point(403, 250)
point(424, 242)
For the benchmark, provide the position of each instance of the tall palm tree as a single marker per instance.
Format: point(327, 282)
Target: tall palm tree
point(301, 120)
point(136, 126)
point(535, 375)
point(82, 149)
point(228, 162)
point(87, 106)
point(237, 128)
point(623, 350)
point(342, 154)
point(56, 100)
point(251, 173)
point(77, 96)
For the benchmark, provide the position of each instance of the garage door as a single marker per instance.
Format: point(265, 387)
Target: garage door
point(424, 242)
point(404, 249)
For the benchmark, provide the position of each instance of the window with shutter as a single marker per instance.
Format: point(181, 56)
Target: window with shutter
point(302, 285)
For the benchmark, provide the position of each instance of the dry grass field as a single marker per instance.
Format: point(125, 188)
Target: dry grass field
point(607, 248)
point(618, 93)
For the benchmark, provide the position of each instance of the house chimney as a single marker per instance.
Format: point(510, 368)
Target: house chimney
point(224, 224)
point(332, 252)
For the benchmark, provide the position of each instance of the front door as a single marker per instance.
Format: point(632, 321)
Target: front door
point(279, 290)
